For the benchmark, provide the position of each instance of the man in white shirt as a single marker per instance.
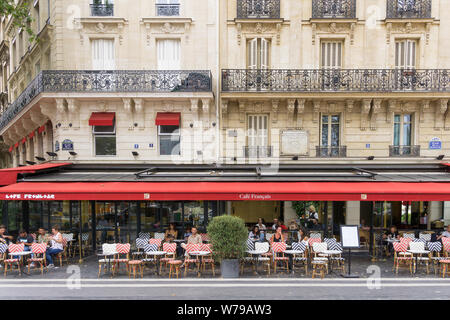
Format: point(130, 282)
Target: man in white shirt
point(445, 234)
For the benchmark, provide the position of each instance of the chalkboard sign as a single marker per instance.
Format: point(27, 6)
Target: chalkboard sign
point(67, 145)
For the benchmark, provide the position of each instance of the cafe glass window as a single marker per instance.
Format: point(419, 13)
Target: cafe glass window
point(194, 214)
point(171, 212)
point(105, 140)
point(127, 221)
point(15, 217)
point(35, 215)
point(60, 215)
point(150, 221)
point(169, 140)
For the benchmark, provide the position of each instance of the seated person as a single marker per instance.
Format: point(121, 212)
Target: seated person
point(278, 236)
point(194, 238)
point(256, 235)
point(26, 239)
point(445, 234)
point(4, 238)
point(364, 226)
point(391, 234)
point(302, 236)
point(293, 225)
point(261, 224)
point(171, 231)
point(43, 236)
point(56, 247)
point(187, 233)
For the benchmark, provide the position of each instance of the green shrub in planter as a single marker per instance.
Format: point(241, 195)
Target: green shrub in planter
point(228, 236)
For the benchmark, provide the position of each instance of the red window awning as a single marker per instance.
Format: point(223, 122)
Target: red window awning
point(233, 191)
point(31, 135)
point(16, 145)
point(168, 119)
point(103, 119)
point(23, 140)
point(11, 148)
point(9, 175)
point(41, 129)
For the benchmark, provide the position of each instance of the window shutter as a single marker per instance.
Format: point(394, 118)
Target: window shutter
point(264, 54)
point(103, 54)
point(332, 55)
point(97, 63)
point(253, 54)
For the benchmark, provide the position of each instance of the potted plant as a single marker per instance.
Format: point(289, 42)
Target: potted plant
point(228, 236)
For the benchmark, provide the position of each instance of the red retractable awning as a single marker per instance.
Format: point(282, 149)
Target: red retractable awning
point(168, 119)
point(23, 141)
point(103, 119)
point(11, 148)
point(16, 145)
point(234, 191)
point(31, 135)
point(9, 175)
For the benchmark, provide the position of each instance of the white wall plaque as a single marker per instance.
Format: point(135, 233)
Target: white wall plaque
point(294, 142)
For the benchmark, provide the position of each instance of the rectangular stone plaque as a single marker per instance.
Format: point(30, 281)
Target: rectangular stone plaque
point(294, 142)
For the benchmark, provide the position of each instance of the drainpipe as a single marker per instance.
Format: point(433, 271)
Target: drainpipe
point(218, 120)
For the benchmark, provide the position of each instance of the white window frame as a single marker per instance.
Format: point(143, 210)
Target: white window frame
point(166, 47)
point(330, 115)
point(258, 53)
point(406, 54)
point(331, 54)
point(101, 63)
point(109, 134)
point(259, 136)
point(177, 134)
point(401, 124)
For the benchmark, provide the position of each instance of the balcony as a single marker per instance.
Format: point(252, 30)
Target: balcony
point(331, 152)
point(167, 10)
point(408, 9)
point(334, 9)
point(102, 10)
point(404, 151)
point(335, 80)
point(258, 152)
point(258, 9)
point(151, 81)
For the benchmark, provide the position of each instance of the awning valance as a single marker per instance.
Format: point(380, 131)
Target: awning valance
point(103, 119)
point(167, 119)
point(233, 191)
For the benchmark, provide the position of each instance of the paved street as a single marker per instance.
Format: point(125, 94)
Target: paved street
point(341, 289)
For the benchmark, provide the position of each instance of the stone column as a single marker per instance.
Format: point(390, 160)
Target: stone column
point(352, 216)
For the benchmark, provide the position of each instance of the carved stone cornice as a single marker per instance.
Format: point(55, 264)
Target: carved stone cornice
point(337, 26)
point(96, 26)
point(166, 25)
point(349, 109)
point(373, 116)
point(269, 28)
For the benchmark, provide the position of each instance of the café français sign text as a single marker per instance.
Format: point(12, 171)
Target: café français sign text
point(253, 196)
point(18, 196)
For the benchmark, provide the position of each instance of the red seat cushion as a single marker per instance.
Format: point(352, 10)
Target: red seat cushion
point(120, 260)
point(444, 261)
point(11, 260)
point(175, 262)
point(135, 262)
point(190, 260)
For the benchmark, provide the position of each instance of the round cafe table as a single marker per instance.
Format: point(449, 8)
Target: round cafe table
point(20, 256)
point(156, 255)
point(256, 254)
point(416, 254)
point(199, 254)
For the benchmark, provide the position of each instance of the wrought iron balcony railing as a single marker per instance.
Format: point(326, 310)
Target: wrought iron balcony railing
point(258, 9)
point(109, 81)
point(258, 152)
point(167, 9)
point(323, 9)
point(404, 151)
point(331, 152)
point(102, 10)
point(335, 80)
point(412, 9)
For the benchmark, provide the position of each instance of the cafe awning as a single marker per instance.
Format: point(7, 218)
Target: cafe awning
point(9, 175)
point(234, 191)
point(167, 119)
point(103, 119)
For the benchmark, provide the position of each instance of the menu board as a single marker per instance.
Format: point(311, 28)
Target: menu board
point(294, 142)
point(350, 236)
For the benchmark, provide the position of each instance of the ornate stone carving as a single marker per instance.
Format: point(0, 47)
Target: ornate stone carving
point(390, 111)
point(375, 110)
point(316, 110)
point(349, 108)
point(441, 108)
point(365, 110)
point(275, 111)
point(242, 111)
point(424, 106)
point(140, 113)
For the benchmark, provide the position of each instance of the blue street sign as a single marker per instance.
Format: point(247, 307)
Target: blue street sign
point(435, 144)
point(67, 145)
point(136, 146)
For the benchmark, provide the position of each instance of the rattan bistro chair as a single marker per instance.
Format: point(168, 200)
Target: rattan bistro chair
point(402, 258)
point(278, 249)
point(38, 250)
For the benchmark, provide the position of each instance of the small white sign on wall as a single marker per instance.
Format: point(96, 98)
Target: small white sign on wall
point(294, 142)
